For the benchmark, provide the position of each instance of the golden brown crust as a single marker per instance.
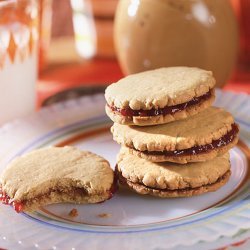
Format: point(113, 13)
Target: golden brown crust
point(159, 119)
point(141, 189)
point(171, 86)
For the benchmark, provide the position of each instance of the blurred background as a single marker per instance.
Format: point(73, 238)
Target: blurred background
point(85, 45)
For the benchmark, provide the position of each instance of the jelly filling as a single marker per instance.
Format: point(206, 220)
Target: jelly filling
point(223, 141)
point(162, 111)
point(114, 187)
point(5, 199)
point(125, 181)
point(18, 206)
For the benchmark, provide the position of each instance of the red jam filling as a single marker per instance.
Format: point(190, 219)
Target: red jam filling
point(223, 141)
point(125, 181)
point(114, 187)
point(162, 111)
point(5, 199)
point(113, 190)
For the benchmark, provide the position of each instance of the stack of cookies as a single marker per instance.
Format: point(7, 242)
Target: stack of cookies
point(174, 144)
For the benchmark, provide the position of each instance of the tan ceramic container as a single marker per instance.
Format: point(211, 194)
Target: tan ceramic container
point(154, 33)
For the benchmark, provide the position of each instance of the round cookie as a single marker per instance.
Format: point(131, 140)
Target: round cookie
point(198, 138)
point(53, 175)
point(159, 96)
point(170, 179)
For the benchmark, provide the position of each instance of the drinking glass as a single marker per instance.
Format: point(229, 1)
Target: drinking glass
point(18, 57)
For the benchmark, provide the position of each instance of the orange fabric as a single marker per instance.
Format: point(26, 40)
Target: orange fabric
point(97, 72)
point(94, 72)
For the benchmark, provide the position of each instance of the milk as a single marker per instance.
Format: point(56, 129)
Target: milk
point(18, 73)
point(17, 88)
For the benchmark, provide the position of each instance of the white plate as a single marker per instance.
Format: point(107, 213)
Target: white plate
point(208, 221)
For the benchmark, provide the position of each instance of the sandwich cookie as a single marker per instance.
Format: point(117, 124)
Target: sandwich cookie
point(198, 138)
point(169, 179)
point(55, 175)
point(159, 96)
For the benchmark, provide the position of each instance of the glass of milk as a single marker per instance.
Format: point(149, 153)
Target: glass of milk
point(18, 58)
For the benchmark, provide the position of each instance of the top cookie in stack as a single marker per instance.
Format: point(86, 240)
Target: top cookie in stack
point(160, 96)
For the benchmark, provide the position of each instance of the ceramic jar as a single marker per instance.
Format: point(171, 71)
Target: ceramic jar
point(150, 34)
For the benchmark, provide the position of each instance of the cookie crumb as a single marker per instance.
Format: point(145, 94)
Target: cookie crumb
point(104, 215)
point(73, 212)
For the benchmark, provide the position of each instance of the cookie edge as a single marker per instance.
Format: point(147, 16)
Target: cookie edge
point(187, 158)
point(160, 119)
point(143, 190)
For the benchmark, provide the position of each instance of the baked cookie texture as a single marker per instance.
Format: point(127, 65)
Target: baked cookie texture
point(159, 88)
point(183, 134)
point(170, 179)
point(52, 175)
